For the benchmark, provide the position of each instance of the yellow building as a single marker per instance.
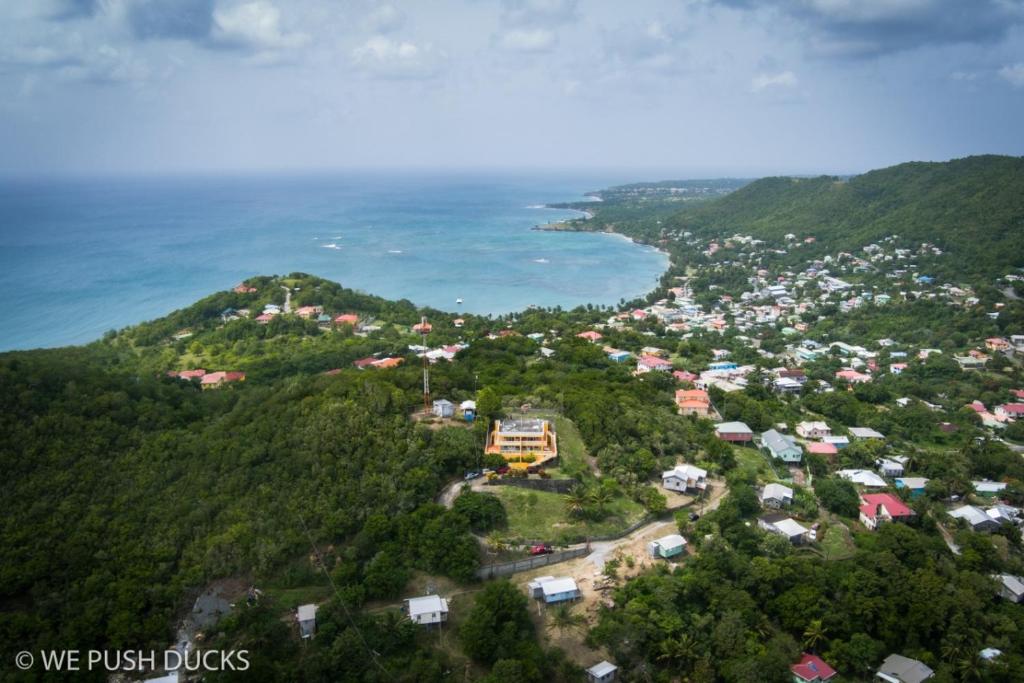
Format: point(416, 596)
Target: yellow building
point(523, 442)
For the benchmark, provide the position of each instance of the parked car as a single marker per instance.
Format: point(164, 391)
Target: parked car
point(694, 516)
point(541, 549)
point(472, 475)
point(502, 470)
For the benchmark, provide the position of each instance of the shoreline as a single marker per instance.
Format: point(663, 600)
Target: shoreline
point(568, 225)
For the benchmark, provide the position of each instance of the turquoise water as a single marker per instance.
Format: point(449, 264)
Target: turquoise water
point(78, 258)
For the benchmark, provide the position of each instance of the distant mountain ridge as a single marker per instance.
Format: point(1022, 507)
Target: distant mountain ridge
point(972, 207)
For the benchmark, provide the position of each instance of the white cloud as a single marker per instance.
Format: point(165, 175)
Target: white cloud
point(388, 58)
point(786, 79)
point(528, 40)
point(384, 19)
point(254, 25)
point(538, 13)
point(1013, 74)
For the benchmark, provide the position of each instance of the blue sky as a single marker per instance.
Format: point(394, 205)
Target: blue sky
point(698, 87)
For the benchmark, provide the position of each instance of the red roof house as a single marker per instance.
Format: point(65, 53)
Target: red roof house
point(590, 336)
point(347, 319)
point(882, 507)
point(821, 448)
point(684, 376)
point(812, 668)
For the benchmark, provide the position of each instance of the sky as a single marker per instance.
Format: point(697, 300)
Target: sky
point(689, 87)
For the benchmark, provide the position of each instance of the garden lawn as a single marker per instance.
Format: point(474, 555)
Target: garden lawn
point(541, 516)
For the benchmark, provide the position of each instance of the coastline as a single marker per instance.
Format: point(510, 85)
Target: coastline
point(571, 225)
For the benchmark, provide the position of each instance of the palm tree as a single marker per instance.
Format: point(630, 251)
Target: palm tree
point(814, 634)
point(564, 619)
point(576, 501)
point(600, 496)
point(680, 651)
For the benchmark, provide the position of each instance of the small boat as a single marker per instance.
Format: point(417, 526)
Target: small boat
point(459, 300)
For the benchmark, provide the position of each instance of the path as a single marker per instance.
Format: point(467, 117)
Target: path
point(948, 538)
point(287, 299)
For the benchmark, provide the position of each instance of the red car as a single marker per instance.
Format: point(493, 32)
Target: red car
point(502, 470)
point(541, 549)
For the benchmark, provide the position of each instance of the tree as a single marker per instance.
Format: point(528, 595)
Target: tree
point(814, 634)
point(488, 404)
point(838, 495)
point(498, 625)
point(565, 619)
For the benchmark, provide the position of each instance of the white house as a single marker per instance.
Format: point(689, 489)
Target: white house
point(667, 546)
point(865, 433)
point(1010, 587)
point(554, 589)
point(429, 609)
point(813, 430)
point(602, 672)
point(684, 478)
point(776, 495)
point(782, 525)
point(443, 408)
point(863, 477)
point(889, 468)
point(307, 620)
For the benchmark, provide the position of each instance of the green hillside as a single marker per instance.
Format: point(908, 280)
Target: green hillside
point(972, 207)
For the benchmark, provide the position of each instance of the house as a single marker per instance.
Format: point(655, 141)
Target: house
point(1010, 587)
point(187, 374)
point(244, 289)
point(863, 477)
point(213, 380)
point(590, 336)
point(458, 322)
point(553, 590)
point(877, 508)
point(693, 402)
point(618, 356)
point(387, 362)
point(914, 484)
point(515, 439)
point(900, 669)
point(822, 448)
point(684, 478)
point(667, 546)
point(840, 442)
point(988, 489)
point(889, 468)
point(853, 377)
point(422, 327)
point(812, 669)
point(307, 312)
point(347, 319)
point(684, 376)
point(443, 408)
point(734, 431)
point(1010, 411)
point(975, 517)
point(602, 672)
point(652, 364)
point(430, 609)
point(783, 525)
point(865, 433)
point(781, 446)
point(468, 409)
point(776, 496)
point(813, 430)
point(306, 616)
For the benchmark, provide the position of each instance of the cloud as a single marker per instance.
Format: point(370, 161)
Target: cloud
point(654, 46)
point(1013, 74)
point(537, 13)
point(859, 29)
point(396, 59)
point(527, 40)
point(253, 25)
point(384, 19)
point(783, 80)
point(183, 19)
point(67, 10)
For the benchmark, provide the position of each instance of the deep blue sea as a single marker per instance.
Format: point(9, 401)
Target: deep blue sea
point(80, 257)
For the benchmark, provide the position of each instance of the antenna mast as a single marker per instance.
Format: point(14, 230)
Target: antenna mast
point(424, 329)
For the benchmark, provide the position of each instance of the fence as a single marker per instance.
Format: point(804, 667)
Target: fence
point(507, 568)
point(549, 485)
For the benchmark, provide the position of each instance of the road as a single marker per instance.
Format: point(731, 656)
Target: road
point(287, 299)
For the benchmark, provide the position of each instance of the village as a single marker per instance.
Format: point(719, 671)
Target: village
point(762, 346)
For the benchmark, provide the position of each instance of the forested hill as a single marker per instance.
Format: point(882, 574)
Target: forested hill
point(971, 207)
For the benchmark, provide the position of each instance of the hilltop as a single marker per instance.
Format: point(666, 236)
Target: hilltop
point(971, 207)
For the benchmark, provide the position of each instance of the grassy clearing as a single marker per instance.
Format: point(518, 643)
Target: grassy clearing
point(539, 515)
point(837, 544)
point(290, 598)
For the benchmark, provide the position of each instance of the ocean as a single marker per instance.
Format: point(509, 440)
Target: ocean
point(80, 257)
